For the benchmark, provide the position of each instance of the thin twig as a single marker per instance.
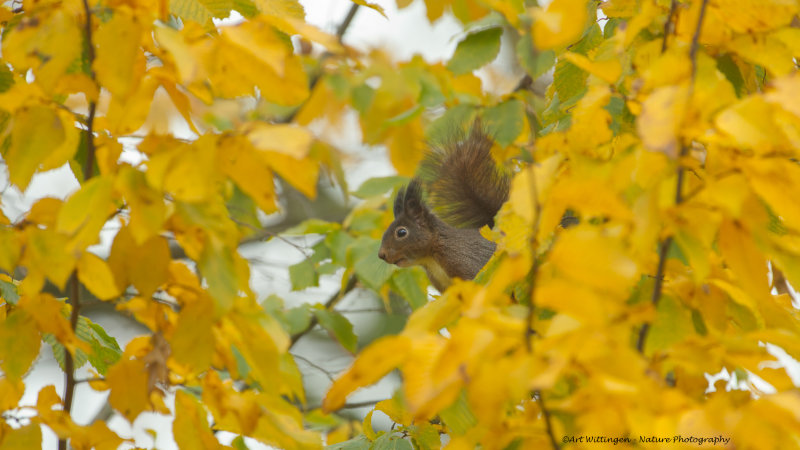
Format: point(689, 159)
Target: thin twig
point(536, 209)
point(314, 365)
point(351, 284)
point(342, 28)
point(667, 242)
point(88, 169)
point(668, 24)
point(69, 362)
point(547, 420)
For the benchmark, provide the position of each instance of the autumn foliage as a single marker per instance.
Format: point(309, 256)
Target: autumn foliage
point(668, 131)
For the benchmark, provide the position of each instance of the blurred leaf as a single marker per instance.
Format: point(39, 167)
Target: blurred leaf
point(379, 186)
point(475, 51)
point(303, 275)
point(339, 327)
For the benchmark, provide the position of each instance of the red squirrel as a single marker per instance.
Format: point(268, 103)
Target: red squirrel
point(465, 189)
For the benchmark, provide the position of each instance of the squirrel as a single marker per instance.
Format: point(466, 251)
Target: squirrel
point(465, 189)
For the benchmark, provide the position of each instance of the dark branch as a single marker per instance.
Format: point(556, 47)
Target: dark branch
point(665, 244)
point(342, 28)
point(668, 24)
point(548, 424)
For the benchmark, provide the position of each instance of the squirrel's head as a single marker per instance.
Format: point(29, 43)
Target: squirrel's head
point(410, 237)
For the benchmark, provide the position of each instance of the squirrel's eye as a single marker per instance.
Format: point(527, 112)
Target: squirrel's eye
point(401, 232)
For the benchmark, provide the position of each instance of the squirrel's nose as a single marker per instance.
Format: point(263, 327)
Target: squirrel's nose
point(382, 254)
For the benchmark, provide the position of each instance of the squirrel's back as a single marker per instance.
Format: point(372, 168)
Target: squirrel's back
point(465, 186)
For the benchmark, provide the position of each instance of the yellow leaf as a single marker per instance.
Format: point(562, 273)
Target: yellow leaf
point(253, 54)
point(289, 140)
point(745, 260)
point(46, 253)
point(23, 438)
point(590, 124)
point(754, 16)
point(406, 147)
point(750, 124)
point(95, 274)
point(126, 115)
point(764, 50)
point(603, 263)
point(35, 132)
point(119, 63)
point(95, 436)
point(561, 23)
point(301, 173)
point(128, 381)
point(46, 43)
point(85, 212)
point(192, 342)
point(50, 316)
point(240, 161)
point(190, 426)
point(607, 70)
point(44, 211)
point(188, 172)
point(777, 182)
point(661, 120)
point(372, 364)
point(19, 345)
point(147, 209)
point(145, 266)
point(282, 8)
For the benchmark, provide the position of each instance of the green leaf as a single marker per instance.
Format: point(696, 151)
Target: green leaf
point(339, 241)
point(673, 324)
point(313, 226)
point(297, 319)
point(218, 267)
point(201, 11)
point(728, 67)
point(569, 81)
point(9, 292)
point(357, 443)
point(363, 255)
point(379, 186)
point(105, 350)
point(475, 50)
point(534, 62)
point(339, 327)
point(238, 443)
point(6, 78)
point(411, 285)
point(458, 417)
point(245, 7)
point(362, 96)
point(302, 275)
point(505, 121)
point(391, 441)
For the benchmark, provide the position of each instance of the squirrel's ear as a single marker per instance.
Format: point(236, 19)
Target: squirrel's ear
point(398, 202)
point(413, 205)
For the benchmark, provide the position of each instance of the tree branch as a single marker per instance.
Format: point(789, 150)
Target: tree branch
point(665, 244)
point(547, 421)
point(668, 24)
point(342, 28)
point(88, 169)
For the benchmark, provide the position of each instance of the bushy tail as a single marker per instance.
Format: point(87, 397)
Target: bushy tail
point(465, 186)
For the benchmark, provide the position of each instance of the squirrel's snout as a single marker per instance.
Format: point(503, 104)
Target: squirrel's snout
point(382, 254)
